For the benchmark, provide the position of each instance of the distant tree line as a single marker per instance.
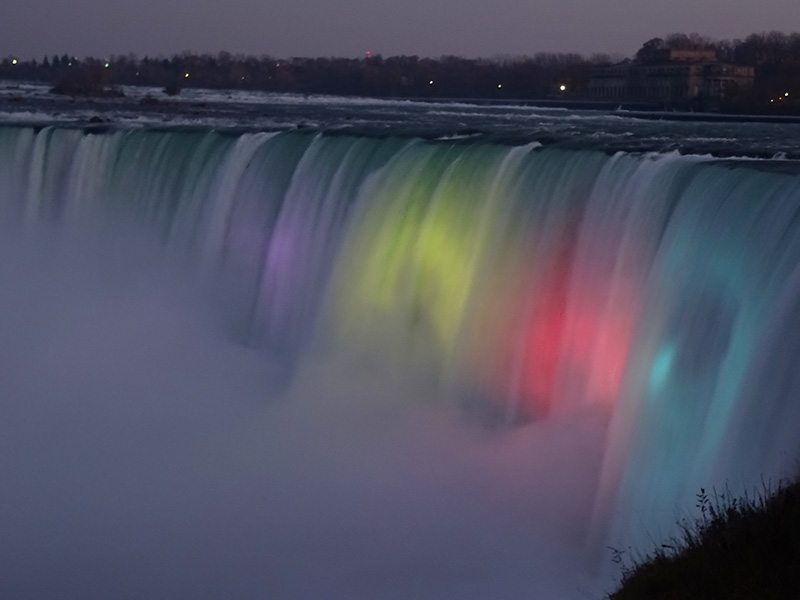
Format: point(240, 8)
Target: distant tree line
point(775, 55)
point(399, 76)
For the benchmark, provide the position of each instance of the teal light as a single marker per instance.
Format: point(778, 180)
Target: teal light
point(662, 365)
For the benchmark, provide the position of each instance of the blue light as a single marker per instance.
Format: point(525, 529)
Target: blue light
point(662, 365)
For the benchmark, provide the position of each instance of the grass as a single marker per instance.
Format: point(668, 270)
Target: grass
point(738, 549)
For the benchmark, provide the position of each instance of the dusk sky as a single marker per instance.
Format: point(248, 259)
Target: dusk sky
point(32, 28)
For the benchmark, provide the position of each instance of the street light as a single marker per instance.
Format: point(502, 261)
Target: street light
point(562, 87)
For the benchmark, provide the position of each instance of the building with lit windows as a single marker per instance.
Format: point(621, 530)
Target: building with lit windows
point(671, 76)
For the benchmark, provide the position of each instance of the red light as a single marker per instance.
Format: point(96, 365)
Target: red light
point(565, 341)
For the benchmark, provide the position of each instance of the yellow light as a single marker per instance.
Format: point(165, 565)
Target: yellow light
point(562, 87)
point(417, 253)
point(430, 82)
point(13, 61)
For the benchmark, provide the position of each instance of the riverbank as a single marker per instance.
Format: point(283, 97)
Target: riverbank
point(739, 549)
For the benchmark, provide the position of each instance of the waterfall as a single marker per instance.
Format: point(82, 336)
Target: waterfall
point(524, 283)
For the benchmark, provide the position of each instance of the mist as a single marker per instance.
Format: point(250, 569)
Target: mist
point(147, 451)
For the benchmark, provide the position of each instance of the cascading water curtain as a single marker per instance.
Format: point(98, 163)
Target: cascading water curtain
point(527, 281)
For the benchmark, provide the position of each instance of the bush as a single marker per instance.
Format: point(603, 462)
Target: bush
point(738, 549)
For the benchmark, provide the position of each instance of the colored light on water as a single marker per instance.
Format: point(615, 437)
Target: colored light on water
point(570, 343)
point(582, 345)
point(422, 265)
point(542, 341)
point(414, 263)
point(662, 366)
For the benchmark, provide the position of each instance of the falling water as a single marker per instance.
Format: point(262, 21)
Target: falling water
point(517, 288)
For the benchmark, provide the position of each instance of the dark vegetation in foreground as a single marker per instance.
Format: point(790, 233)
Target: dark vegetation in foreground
point(739, 549)
point(563, 77)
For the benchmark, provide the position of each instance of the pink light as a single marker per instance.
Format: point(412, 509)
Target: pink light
point(558, 335)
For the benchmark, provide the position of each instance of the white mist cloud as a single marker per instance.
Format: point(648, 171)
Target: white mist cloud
point(144, 453)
